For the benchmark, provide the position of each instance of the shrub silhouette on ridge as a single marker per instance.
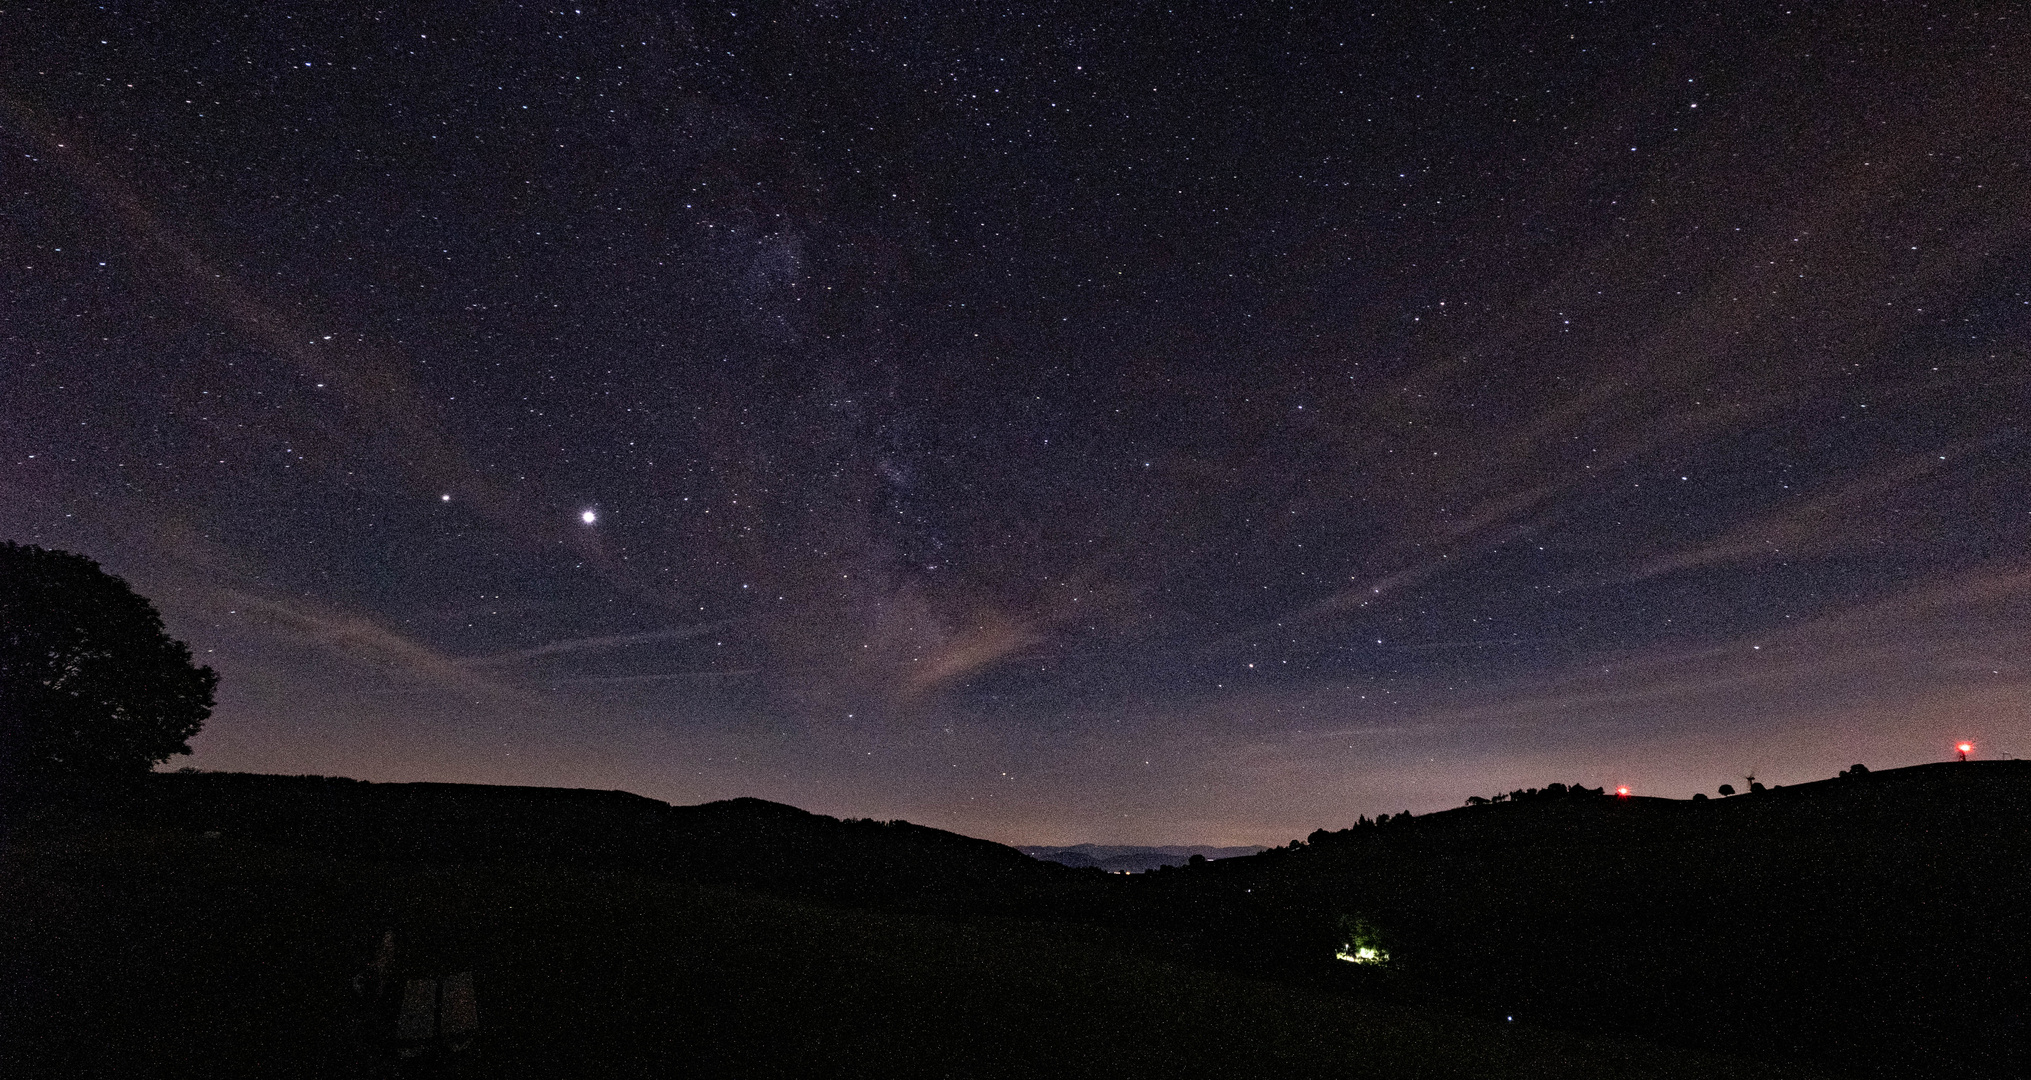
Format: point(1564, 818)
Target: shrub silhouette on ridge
point(92, 686)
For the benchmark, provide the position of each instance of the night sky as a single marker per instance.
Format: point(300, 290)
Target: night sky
point(1118, 423)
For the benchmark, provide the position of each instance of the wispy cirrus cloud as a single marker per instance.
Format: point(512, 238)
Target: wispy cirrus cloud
point(360, 639)
point(603, 643)
point(387, 409)
point(1818, 525)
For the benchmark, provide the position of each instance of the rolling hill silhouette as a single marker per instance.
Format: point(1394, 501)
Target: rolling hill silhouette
point(745, 842)
point(1873, 924)
point(1876, 922)
point(223, 926)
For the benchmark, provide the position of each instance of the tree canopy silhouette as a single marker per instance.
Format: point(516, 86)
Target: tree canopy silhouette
point(91, 685)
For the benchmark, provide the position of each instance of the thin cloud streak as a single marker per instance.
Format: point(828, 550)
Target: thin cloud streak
point(1819, 525)
point(595, 644)
point(375, 380)
point(364, 640)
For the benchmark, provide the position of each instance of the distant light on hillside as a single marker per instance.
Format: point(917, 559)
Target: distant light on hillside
point(1361, 942)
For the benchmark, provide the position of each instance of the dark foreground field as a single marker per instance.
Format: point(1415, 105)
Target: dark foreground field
point(138, 950)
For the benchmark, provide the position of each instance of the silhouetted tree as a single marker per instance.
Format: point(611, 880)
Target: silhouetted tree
point(91, 685)
point(1727, 789)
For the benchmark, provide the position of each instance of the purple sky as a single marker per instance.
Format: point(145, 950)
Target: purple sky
point(1171, 425)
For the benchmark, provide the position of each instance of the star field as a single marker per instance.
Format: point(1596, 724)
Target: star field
point(1154, 424)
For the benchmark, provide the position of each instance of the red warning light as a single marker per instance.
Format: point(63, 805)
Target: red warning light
point(1965, 749)
point(1622, 792)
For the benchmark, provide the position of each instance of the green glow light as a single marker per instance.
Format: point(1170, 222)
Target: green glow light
point(1361, 942)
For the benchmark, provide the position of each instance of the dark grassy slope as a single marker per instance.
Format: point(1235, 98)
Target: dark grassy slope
point(741, 842)
point(1874, 925)
point(144, 951)
point(1879, 924)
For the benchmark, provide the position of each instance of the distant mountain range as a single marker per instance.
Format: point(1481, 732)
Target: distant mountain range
point(1121, 859)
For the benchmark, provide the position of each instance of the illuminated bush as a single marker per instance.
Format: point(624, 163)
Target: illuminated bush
point(1360, 942)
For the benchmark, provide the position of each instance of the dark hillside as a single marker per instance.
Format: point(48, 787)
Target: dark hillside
point(785, 850)
point(741, 842)
point(1877, 923)
point(145, 951)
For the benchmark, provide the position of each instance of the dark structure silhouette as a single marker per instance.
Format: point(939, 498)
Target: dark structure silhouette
point(91, 685)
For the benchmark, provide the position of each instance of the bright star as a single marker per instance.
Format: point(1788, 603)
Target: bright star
point(588, 517)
